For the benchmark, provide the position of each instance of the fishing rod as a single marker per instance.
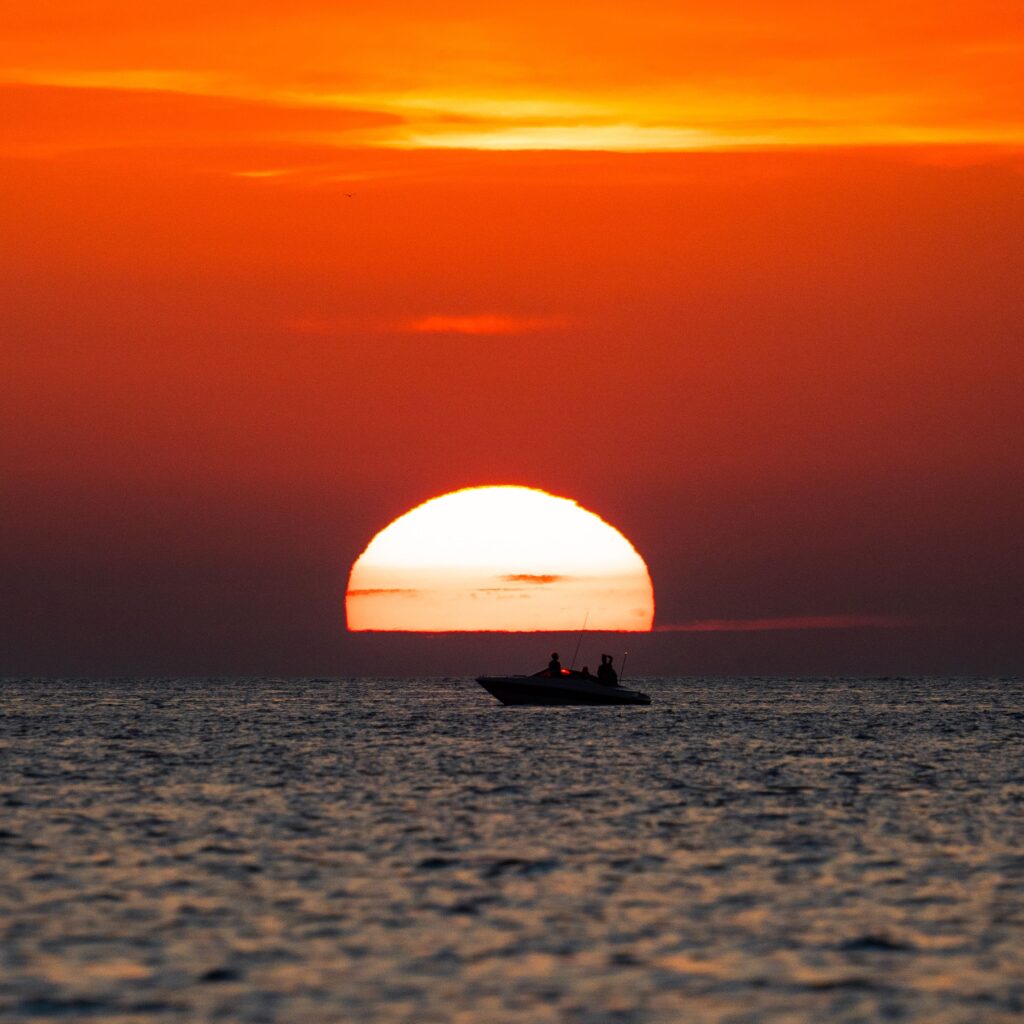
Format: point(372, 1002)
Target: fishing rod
point(579, 641)
point(622, 674)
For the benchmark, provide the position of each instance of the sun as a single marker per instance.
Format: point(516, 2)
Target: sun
point(505, 559)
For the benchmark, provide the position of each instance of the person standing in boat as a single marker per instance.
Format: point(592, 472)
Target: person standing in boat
point(606, 673)
point(554, 665)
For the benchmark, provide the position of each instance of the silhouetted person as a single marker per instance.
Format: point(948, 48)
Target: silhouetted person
point(606, 673)
point(585, 672)
point(554, 665)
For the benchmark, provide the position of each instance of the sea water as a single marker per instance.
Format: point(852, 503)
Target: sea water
point(408, 850)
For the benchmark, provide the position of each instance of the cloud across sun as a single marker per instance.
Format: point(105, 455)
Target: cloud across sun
point(504, 559)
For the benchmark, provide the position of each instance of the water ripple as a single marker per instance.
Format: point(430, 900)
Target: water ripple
point(400, 851)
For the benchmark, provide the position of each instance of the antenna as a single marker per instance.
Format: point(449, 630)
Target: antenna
point(579, 641)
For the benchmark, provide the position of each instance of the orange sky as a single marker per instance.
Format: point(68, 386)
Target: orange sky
point(648, 75)
point(270, 277)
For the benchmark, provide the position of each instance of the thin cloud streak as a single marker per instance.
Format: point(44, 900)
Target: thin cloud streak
point(378, 591)
point(483, 324)
point(793, 623)
point(47, 119)
point(534, 578)
point(474, 325)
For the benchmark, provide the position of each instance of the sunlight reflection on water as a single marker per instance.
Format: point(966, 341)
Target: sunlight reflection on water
point(409, 850)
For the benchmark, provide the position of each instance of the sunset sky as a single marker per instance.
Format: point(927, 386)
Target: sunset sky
point(742, 279)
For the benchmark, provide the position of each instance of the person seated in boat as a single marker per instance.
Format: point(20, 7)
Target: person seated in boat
point(585, 672)
point(606, 673)
point(554, 665)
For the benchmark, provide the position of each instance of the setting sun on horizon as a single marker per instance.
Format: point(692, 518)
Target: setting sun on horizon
point(502, 559)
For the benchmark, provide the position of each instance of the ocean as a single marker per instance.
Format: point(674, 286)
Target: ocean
point(309, 851)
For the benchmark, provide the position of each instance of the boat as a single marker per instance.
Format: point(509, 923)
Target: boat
point(568, 688)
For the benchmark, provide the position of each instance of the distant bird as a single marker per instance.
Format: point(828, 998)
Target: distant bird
point(349, 195)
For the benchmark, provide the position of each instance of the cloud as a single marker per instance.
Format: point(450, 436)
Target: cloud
point(792, 622)
point(533, 578)
point(482, 324)
point(41, 118)
point(575, 76)
point(377, 592)
point(621, 138)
